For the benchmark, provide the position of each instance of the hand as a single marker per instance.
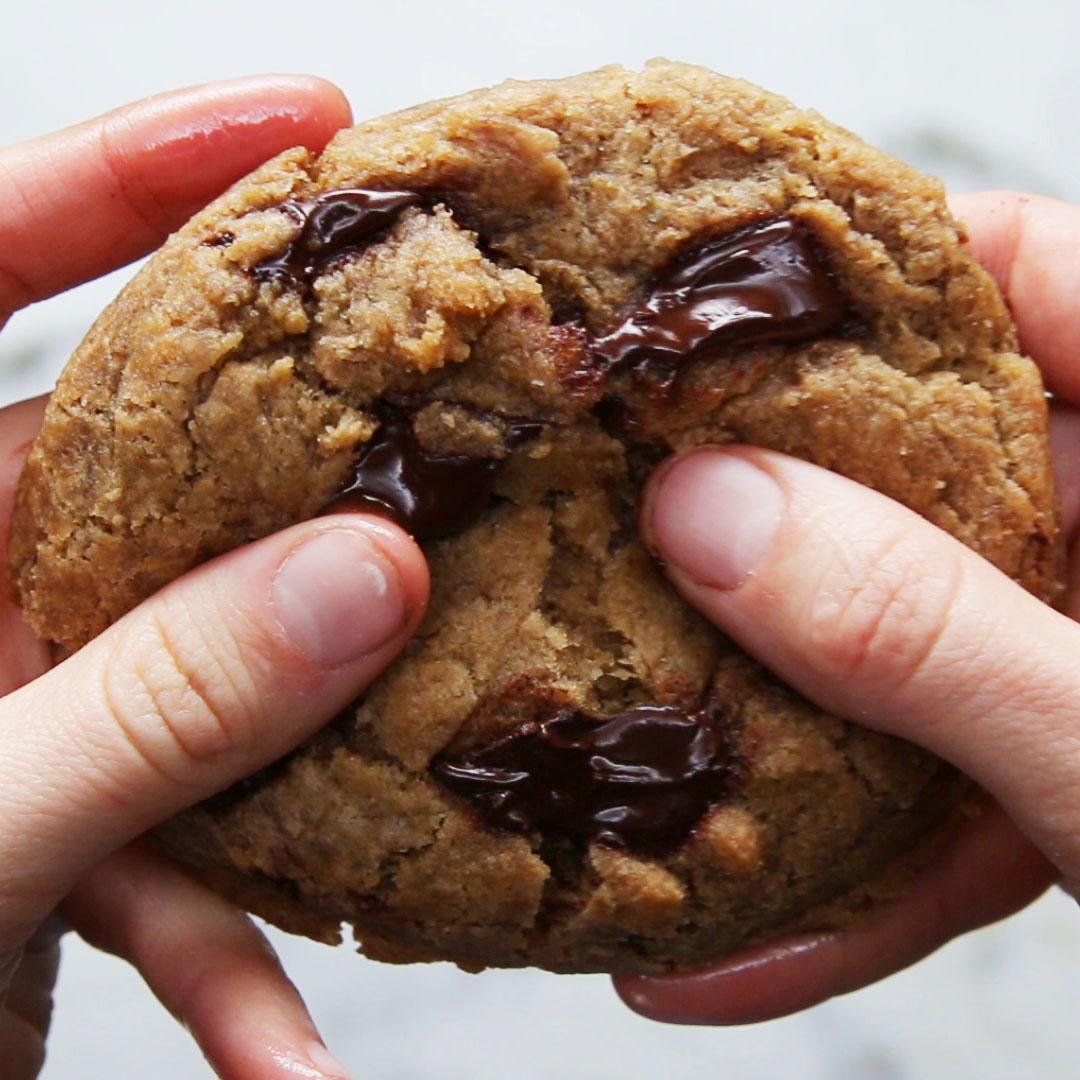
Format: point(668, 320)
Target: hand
point(215, 676)
point(880, 617)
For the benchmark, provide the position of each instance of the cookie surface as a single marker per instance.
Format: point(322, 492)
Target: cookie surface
point(529, 296)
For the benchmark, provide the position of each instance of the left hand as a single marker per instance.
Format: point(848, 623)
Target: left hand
point(85, 765)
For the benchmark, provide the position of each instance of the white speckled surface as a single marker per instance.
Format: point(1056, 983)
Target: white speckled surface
point(985, 94)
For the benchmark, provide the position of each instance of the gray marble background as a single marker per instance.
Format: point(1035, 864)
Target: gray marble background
point(985, 94)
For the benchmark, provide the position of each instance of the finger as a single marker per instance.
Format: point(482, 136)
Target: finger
point(877, 615)
point(1031, 245)
point(987, 872)
point(229, 991)
point(1065, 446)
point(30, 996)
point(93, 197)
point(22, 1048)
point(215, 676)
point(24, 657)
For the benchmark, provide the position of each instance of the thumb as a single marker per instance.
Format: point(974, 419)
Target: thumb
point(878, 616)
point(215, 676)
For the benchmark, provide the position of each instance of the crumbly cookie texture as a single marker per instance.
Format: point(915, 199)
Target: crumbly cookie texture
point(220, 398)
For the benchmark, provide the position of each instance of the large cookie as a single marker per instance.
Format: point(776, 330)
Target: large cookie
point(490, 317)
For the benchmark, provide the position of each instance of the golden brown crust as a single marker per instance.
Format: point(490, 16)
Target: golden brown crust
point(205, 409)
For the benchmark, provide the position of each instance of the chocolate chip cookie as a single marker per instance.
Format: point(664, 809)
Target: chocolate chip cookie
point(489, 318)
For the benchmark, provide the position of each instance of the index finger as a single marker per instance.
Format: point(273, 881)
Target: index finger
point(90, 198)
point(1031, 246)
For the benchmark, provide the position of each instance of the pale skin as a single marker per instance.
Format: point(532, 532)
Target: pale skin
point(882, 618)
point(204, 682)
point(213, 677)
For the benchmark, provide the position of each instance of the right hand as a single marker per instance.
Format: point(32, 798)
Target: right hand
point(880, 617)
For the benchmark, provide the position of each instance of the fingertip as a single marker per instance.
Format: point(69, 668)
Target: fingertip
point(670, 1000)
point(133, 175)
point(400, 549)
point(317, 107)
point(330, 106)
point(993, 226)
point(979, 203)
point(1027, 243)
point(712, 514)
point(188, 146)
point(230, 992)
point(748, 987)
point(984, 871)
point(633, 992)
point(314, 107)
point(675, 1000)
point(25, 657)
point(348, 590)
point(654, 485)
point(19, 423)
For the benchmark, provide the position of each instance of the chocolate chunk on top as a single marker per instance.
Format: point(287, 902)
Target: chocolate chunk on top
point(762, 284)
point(333, 225)
point(765, 283)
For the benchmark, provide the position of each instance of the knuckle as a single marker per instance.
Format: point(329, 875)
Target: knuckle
point(875, 619)
point(179, 698)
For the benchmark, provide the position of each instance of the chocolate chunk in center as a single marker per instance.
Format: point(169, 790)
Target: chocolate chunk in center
point(640, 780)
point(332, 226)
point(762, 284)
point(431, 495)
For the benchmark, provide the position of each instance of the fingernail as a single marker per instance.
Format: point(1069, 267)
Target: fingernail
point(746, 989)
point(714, 515)
point(338, 598)
point(326, 1063)
point(315, 1063)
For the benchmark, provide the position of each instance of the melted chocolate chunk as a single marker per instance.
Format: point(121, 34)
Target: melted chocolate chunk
point(640, 780)
point(431, 495)
point(761, 284)
point(332, 226)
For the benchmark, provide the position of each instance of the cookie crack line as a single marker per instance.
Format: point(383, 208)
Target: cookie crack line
point(766, 283)
point(600, 631)
point(387, 868)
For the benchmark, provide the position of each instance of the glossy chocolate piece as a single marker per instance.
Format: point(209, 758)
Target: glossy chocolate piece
point(332, 226)
point(762, 284)
point(430, 495)
point(765, 283)
point(640, 780)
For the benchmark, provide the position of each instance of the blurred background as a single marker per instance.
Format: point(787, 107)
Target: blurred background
point(985, 94)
